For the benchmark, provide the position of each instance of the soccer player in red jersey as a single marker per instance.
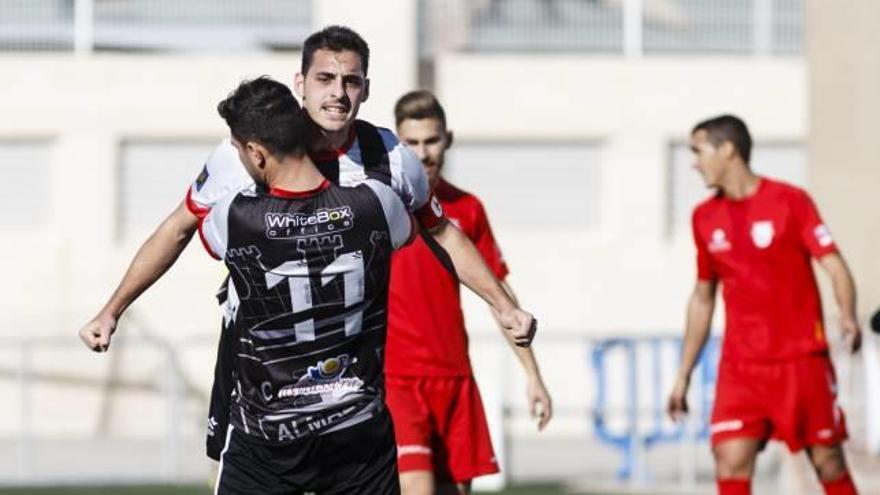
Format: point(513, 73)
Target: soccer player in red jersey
point(756, 237)
point(442, 437)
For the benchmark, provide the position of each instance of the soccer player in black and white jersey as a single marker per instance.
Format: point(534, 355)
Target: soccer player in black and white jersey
point(332, 84)
point(310, 263)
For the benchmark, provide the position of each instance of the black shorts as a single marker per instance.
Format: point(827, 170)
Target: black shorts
point(221, 393)
point(359, 460)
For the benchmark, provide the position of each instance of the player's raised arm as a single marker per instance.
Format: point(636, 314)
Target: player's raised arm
point(152, 260)
point(476, 275)
point(222, 174)
point(845, 295)
point(410, 180)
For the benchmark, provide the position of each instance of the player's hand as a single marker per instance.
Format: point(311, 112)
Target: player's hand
point(678, 407)
point(521, 325)
point(96, 333)
point(852, 334)
point(540, 404)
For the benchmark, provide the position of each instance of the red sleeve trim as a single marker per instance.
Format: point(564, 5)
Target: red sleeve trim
point(431, 213)
point(204, 240)
point(195, 208)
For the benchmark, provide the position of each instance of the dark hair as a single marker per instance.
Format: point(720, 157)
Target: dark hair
point(265, 111)
point(419, 105)
point(335, 39)
point(728, 128)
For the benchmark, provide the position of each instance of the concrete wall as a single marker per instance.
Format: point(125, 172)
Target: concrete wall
point(844, 74)
point(625, 277)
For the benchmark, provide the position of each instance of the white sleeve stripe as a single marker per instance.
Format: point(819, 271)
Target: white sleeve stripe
point(215, 227)
point(398, 218)
point(408, 176)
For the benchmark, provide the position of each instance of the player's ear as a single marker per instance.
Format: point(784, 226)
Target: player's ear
point(366, 90)
point(449, 138)
point(256, 153)
point(727, 150)
point(299, 81)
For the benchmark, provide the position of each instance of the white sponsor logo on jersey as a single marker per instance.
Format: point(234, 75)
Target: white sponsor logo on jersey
point(719, 242)
point(823, 235)
point(321, 222)
point(435, 206)
point(762, 233)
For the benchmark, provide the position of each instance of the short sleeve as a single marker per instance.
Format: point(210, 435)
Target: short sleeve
point(221, 175)
point(409, 181)
point(705, 270)
point(484, 240)
point(214, 227)
point(399, 220)
point(813, 233)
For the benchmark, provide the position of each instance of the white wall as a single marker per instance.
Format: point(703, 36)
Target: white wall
point(625, 276)
point(628, 276)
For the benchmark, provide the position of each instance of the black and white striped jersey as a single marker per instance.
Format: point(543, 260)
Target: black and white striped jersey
point(371, 153)
point(308, 297)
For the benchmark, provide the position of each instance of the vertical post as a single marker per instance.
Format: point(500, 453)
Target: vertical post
point(25, 438)
point(633, 44)
point(763, 27)
point(172, 417)
point(83, 26)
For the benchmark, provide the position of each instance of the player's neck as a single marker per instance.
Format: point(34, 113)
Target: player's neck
point(331, 141)
point(741, 184)
point(295, 174)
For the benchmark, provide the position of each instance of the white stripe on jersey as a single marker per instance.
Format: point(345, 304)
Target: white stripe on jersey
point(408, 177)
point(399, 222)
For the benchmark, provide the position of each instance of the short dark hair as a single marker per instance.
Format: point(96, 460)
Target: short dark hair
point(335, 39)
point(265, 111)
point(728, 128)
point(417, 105)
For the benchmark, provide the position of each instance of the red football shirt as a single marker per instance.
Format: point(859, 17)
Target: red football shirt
point(760, 249)
point(426, 333)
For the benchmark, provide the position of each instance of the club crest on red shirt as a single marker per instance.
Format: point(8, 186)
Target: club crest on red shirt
point(762, 233)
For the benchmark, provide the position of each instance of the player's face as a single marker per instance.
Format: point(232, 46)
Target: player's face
point(429, 139)
point(333, 89)
point(708, 161)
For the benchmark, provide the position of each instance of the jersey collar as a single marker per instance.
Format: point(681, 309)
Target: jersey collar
point(284, 193)
point(330, 155)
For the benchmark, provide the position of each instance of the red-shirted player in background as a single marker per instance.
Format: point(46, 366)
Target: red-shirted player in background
point(442, 437)
point(775, 381)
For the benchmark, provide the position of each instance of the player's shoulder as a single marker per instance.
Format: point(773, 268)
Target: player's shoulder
point(381, 135)
point(223, 154)
point(784, 191)
point(447, 192)
point(708, 205)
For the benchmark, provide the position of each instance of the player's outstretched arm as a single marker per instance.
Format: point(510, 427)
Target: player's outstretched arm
point(845, 294)
point(699, 319)
point(475, 275)
point(540, 403)
point(152, 260)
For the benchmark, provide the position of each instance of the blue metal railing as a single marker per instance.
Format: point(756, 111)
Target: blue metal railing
point(644, 427)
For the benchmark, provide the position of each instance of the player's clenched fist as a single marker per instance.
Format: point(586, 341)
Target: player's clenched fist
point(96, 333)
point(677, 407)
point(520, 324)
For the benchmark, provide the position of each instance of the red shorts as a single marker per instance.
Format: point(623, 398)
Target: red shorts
point(440, 426)
point(794, 401)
